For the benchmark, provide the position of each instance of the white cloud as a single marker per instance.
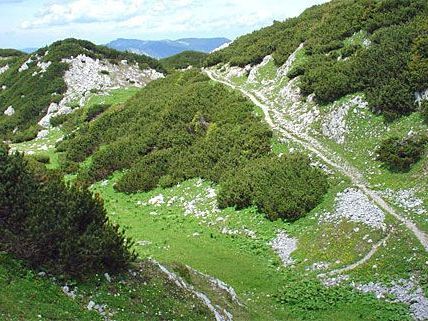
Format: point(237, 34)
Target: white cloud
point(103, 20)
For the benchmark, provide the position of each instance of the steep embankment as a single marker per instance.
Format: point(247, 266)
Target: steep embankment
point(58, 79)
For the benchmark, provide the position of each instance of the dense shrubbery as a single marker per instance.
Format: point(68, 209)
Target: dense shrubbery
point(30, 95)
point(183, 127)
point(389, 69)
point(285, 187)
point(59, 120)
point(58, 228)
point(400, 154)
point(423, 108)
point(196, 128)
point(184, 60)
point(95, 110)
point(11, 53)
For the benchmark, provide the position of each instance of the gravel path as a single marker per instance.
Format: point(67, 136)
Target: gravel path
point(323, 153)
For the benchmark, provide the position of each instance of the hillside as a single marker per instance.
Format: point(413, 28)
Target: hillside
point(166, 48)
point(287, 179)
point(184, 60)
point(57, 79)
point(375, 47)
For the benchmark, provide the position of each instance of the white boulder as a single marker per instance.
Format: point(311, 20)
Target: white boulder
point(9, 111)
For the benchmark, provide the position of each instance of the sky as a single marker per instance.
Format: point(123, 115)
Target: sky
point(36, 23)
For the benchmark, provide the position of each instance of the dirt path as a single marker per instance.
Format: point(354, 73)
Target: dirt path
point(362, 261)
point(324, 154)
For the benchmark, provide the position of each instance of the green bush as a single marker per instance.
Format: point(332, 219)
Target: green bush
point(58, 228)
point(42, 158)
point(295, 72)
point(184, 60)
point(59, 120)
point(424, 110)
point(26, 134)
point(191, 127)
point(400, 154)
point(96, 110)
point(285, 187)
point(388, 71)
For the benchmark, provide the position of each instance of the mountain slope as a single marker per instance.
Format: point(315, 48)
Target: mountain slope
point(184, 60)
point(57, 79)
point(375, 47)
point(166, 48)
point(376, 52)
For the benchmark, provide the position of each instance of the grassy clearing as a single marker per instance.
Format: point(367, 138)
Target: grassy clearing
point(144, 294)
point(26, 296)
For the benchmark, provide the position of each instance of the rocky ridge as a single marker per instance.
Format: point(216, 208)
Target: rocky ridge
point(87, 75)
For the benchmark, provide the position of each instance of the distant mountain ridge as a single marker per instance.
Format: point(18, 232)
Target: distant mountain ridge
point(167, 48)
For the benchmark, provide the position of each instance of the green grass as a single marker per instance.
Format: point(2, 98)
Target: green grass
point(146, 294)
point(220, 244)
point(168, 234)
point(24, 296)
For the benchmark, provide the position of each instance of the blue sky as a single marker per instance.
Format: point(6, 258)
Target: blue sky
point(35, 23)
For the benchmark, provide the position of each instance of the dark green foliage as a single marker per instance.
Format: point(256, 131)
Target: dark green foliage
point(31, 95)
point(184, 60)
point(285, 187)
point(59, 228)
point(42, 158)
point(423, 108)
point(295, 72)
point(59, 120)
point(96, 110)
point(177, 128)
point(388, 71)
point(11, 53)
point(400, 154)
point(26, 135)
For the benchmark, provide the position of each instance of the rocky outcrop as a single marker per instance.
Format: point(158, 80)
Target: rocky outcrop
point(353, 205)
point(284, 245)
point(421, 96)
point(286, 67)
point(4, 69)
point(9, 111)
point(334, 126)
point(87, 75)
point(254, 73)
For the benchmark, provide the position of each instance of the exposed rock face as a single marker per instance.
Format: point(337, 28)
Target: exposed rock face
point(355, 206)
point(421, 96)
point(25, 66)
point(284, 69)
point(237, 72)
point(284, 245)
point(254, 73)
point(9, 111)
point(4, 69)
point(334, 126)
point(43, 67)
point(87, 74)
